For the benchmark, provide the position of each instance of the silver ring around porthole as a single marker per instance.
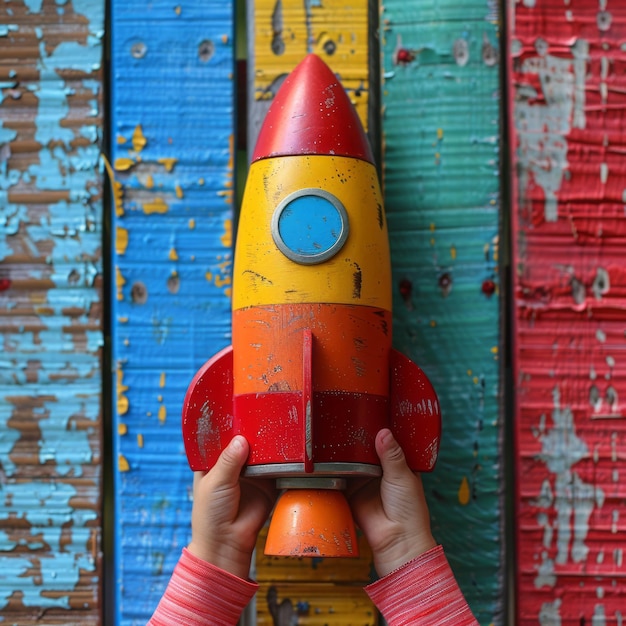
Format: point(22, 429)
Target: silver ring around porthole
point(310, 226)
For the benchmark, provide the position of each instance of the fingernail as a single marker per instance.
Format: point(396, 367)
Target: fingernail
point(386, 435)
point(237, 443)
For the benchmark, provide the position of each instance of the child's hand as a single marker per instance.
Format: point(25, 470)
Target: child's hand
point(229, 511)
point(392, 510)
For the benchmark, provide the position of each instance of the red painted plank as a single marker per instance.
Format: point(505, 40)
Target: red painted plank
point(568, 91)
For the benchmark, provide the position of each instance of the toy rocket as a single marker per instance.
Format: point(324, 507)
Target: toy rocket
point(311, 376)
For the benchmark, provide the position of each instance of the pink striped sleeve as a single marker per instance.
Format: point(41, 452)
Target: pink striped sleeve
point(423, 591)
point(200, 594)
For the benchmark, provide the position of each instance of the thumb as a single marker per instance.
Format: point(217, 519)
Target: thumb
point(231, 460)
point(390, 454)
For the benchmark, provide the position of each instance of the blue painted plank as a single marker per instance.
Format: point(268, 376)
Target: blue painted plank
point(441, 125)
point(50, 311)
point(172, 119)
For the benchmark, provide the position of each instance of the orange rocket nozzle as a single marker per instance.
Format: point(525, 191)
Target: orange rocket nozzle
point(312, 522)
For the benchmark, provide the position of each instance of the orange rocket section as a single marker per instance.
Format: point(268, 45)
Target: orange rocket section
point(311, 376)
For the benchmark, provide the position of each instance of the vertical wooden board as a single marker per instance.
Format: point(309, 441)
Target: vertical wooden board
point(568, 78)
point(50, 311)
point(172, 152)
point(283, 32)
point(314, 591)
point(280, 34)
point(321, 604)
point(441, 138)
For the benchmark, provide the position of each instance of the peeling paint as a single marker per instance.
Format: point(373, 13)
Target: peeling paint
point(173, 162)
point(569, 235)
point(50, 251)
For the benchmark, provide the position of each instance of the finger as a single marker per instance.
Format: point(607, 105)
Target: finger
point(391, 455)
point(197, 477)
point(231, 461)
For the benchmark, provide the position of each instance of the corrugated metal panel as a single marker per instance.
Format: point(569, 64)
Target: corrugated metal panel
point(50, 311)
point(172, 119)
point(568, 85)
point(441, 137)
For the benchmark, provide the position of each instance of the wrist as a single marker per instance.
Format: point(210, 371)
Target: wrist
point(401, 553)
point(231, 561)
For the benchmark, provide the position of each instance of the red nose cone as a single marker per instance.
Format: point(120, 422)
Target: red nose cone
point(312, 114)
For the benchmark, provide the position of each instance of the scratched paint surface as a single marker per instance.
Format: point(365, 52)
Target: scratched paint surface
point(50, 311)
point(285, 31)
point(172, 121)
point(568, 82)
point(441, 124)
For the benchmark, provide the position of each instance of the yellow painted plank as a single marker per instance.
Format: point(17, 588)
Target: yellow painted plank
point(317, 604)
point(282, 32)
point(285, 31)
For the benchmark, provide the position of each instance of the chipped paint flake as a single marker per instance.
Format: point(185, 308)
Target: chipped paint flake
point(123, 164)
point(158, 205)
point(138, 139)
point(121, 240)
point(168, 163)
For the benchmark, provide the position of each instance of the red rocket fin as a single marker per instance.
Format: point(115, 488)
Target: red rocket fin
point(415, 413)
point(208, 411)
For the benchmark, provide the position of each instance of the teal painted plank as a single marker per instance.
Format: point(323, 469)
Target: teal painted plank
point(441, 126)
point(50, 312)
point(453, 12)
point(172, 153)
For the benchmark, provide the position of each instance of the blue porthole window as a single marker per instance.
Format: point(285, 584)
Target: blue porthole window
point(310, 226)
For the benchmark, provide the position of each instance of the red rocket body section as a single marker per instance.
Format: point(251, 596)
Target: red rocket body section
point(411, 411)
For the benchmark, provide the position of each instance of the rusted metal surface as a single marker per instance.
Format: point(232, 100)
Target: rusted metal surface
point(567, 101)
point(50, 311)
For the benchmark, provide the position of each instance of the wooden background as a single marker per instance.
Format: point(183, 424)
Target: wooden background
point(123, 143)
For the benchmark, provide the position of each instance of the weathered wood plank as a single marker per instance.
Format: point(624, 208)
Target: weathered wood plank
point(441, 136)
point(172, 156)
point(319, 604)
point(282, 32)
point(567, 100)
point(50, 311)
